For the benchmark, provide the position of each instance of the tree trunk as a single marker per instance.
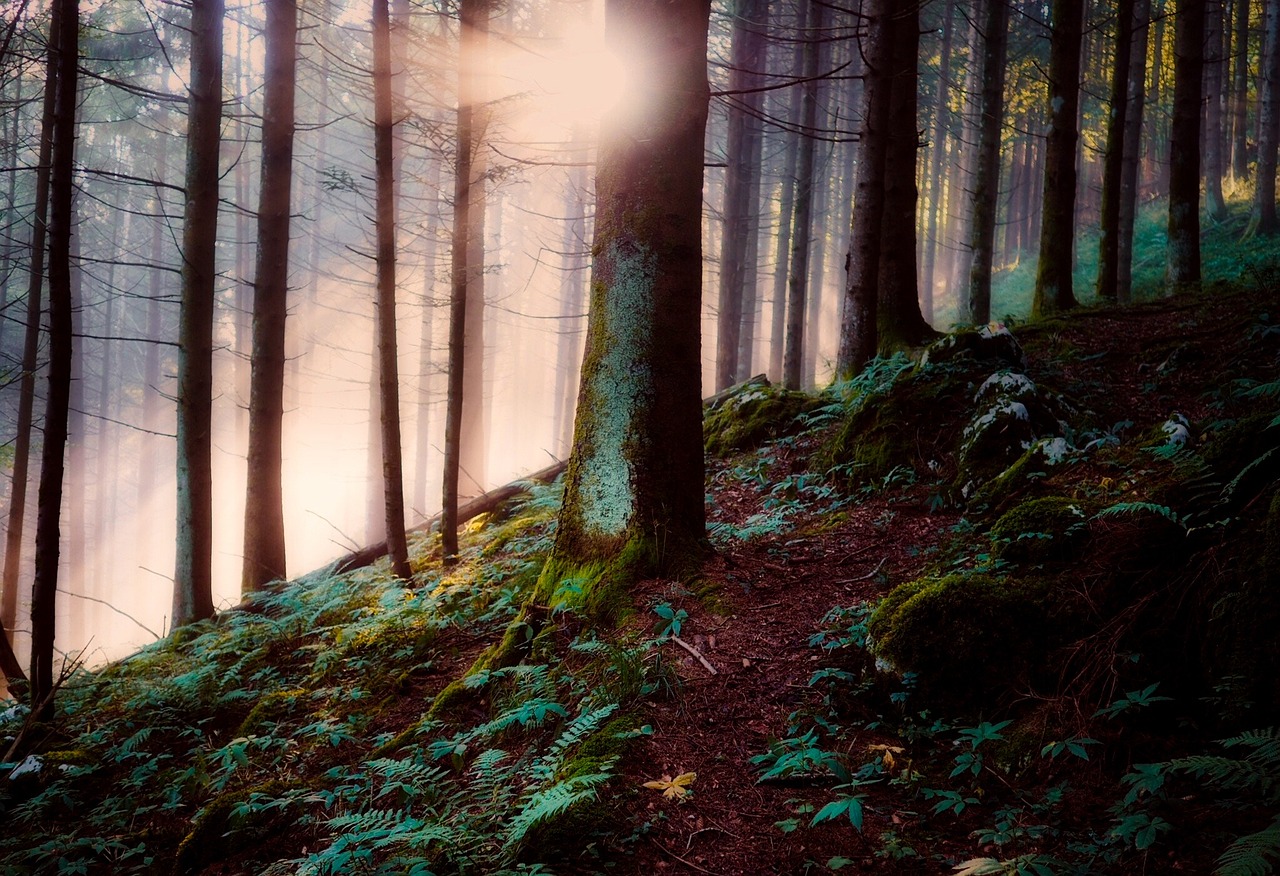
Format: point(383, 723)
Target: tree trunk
point(1053, 291)
point(986, 184)
point(1214, 58)
point(1132, 150)
point(388, 372)
point(1240, 89)
point(1262, 216)
point(1184, 142)
point(264, 546)
point(941, 125)
point(193, 574)
point(814, 20)
point(1113, 162)
point(786, 207)
point(426, 370)
point(31, 342)
point(634, 488)
point(475, 426)
point(753, 154)
point(61, 186)
point(858, 327)
point(573, 301)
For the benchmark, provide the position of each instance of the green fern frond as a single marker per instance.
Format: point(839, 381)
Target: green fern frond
point(548, 803)
point(1127, 508)
point(1252, 855)
point(546, 767)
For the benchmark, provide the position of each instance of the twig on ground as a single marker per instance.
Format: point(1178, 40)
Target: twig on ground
point(866, 577)
point(695, 652)
point(680, 859)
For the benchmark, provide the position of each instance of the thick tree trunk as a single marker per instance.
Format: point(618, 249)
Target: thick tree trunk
point(264, 545)
point(1132, 150)
point(1184, 142)
point(858, 327)
point(193, 574)
point(986, 184)
point(1262, 216)
point(49, 508)
point(634, 488)
point(388, 372)
point(31, 343)
point(1053, 292)
point(1113, 162)
point(815, 19)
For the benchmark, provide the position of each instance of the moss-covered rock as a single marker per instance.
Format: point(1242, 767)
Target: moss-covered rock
point(1011, 414)
point(758, 412)
point(990, 344)
point(1020, 480)
point(1046, 530)
point(966, 637)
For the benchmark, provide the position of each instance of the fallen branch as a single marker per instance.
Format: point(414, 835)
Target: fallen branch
point(695, 652)
point(866, 577)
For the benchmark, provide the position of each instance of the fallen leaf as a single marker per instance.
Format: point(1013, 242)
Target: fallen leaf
point(673, 789)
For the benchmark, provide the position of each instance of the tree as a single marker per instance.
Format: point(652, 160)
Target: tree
point(1053, 290)
point(1132, 150)
point(858, 337)
point(1262, 215)
point(193, 573)
point(264, 545)
point(49, 503)
point(1213, 62)
point(986, 184)
point(634, 487)
point(1184, 146)
point(1240, 92)
point(388, 375)
point(1113, 162)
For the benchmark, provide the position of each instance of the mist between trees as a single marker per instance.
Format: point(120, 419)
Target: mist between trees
point(951, 161)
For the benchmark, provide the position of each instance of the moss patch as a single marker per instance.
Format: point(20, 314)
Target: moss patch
point(753, 415)
point(1046, 530)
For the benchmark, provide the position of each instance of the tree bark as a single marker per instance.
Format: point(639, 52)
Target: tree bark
point(786, 208)
point(941, 126)
point(1132, 150)
point(634, 488)
point(858, 328)
point(1053, 291)
point(61, 186)
point(193, 574)
point(1214, 59)
point(986, 184)
point(573, 297)
point(1240, 89)
point(388, 372)
point(264, 543)
point(1113, 161)
point(1262, 215)
point(1184, 143)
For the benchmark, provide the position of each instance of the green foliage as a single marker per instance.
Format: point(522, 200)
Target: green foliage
point(1049, 529)
point(754, 414)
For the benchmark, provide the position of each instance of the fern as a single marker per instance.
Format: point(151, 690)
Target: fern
point(1252, 855)
point(545, 768)
point(550, 802)
point(1133, 508)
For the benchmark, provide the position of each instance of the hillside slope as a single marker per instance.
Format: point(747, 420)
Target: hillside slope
point(1074, 523)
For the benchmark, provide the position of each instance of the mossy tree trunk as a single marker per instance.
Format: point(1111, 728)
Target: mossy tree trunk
point(1184, 147)
point(1053, 292)
point(634, 489)
point(264, 546)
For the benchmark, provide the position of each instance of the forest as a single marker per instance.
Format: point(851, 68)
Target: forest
point(634, 436)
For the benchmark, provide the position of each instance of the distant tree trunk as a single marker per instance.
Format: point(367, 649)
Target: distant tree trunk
point(753, 154)
point(75, 475)
point(1184, 151)
point(898, 314)
point(264, 545)
point(388, 372)
point(958, 230)
point(1240, 90)
point(634, 488)
point(986, 184)
point(818, 244)
point(573, 301)
point(1113, 162)
point(814, 20)
point(471, 12)
point(61, 187)
point(1214, 58)
point(1262, 215)
point(151, 392)
point(858, 327)
point(786, 208)
point(475, 426)
point(193, 573)
point(430, 257)
point(31, 341)
point(941, 126)
point(1053, 291)
point(1132, 150)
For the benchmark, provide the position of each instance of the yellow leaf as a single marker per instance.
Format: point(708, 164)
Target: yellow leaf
point(673, 789)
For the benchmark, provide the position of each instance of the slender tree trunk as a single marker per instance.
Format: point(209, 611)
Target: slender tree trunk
point(1113, 162)
point(634, 488)
point(818, 244)
point(1053, 291)
point(31, 340)
point(941, 126)
point(264, 544)
point(426, 344)
point(786, 206)
point(858, 329)
point(1184, 152)
point(1214, 60)
point(61, 187)
point(1262, 216)
point(814, 20)
point(753, 151)
point(573, 301)
point(1240, 89)
point(958, 230)
point(1128, 206)
point(193, 574)
point(986, 187)
point(152, 393)
point(388, 373)
point(475, 426)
